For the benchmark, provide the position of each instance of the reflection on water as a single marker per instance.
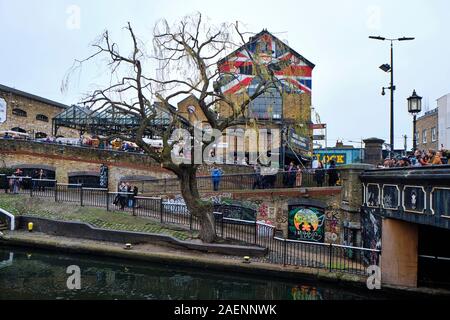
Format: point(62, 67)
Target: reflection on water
point(42, 275)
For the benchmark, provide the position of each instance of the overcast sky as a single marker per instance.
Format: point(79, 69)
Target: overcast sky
point(40, 39)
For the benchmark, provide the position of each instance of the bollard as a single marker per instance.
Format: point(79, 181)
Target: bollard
point(30, 226)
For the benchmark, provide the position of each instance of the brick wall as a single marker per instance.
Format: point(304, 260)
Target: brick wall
point(30, 123)
point(427, 122)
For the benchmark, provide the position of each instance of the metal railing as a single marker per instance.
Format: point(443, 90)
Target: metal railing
point(287, 252)
point(246, 181)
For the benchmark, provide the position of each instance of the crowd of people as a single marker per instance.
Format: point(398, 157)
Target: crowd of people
point(419, 158)
point(125, 195)
point(293, 175)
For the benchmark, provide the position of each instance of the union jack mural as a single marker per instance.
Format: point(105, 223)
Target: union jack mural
point(291, 69)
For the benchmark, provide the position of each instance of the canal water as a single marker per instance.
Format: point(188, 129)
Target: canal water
point(32, 274)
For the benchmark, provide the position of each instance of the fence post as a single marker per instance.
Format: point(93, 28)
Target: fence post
point(256, 231)
point(221, 227)
point(107, 200)
point(56, 191)
point(81, 195)
point(133, 205)
point(161, 209)
point(31, 188)
point(331, 256)
point(190, 221)
point(285, 253)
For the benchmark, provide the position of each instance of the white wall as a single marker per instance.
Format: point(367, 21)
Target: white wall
point(443, 104)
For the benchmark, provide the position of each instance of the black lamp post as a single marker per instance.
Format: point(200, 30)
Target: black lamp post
point(390, 68)
point(414, 107)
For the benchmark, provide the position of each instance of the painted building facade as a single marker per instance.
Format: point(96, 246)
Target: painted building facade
point(285, 106)
point(427, 130)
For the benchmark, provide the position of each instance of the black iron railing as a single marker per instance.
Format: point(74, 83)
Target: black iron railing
point(247, 181)
point(331, 257)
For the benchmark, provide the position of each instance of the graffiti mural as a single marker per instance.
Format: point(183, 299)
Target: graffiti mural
point(441, 201)
point(306, 223)
point(373, 195)
point(371, 234)
point(414, 199)
point(391, 197)
point(332, 226)
point(237, 70)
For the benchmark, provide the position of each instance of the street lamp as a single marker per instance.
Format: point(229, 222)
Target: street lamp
point(390, 68)
point(414, 107)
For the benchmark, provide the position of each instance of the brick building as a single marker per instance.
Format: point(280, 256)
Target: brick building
point(286, 106)
point(24, 112)
point(427, 131)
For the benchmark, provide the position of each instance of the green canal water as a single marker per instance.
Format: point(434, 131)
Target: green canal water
point(32, 274)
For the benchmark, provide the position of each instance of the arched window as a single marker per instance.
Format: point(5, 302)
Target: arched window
point(19, 112)
point(40, 135)
point(17, 129)
point(42, 117)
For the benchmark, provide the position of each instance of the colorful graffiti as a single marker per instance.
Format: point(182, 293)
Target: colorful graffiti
point(238, 70)
point(306, 223)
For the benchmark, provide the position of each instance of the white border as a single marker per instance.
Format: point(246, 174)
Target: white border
point(424, 199)
point(364, 194)
point(431, 201)
point(382, 196)
point(379, 194)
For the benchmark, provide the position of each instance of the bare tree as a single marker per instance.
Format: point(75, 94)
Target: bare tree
point(187, 55)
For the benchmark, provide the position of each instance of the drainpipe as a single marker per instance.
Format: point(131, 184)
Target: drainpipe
point(13, 219)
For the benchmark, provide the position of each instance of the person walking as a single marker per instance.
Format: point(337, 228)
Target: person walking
point(257, 181)
point(134, 195)
point(122, 196)
point(319, 174)
point(17, 180)
point(292, 173)
point(41, 176)
point(216, 175)
point(298, 177)
point(333, 176)
point(129, 195)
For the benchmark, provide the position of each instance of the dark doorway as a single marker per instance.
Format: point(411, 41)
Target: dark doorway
point(434, 257)
point(88, 181)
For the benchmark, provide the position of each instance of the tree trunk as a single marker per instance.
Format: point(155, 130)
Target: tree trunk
point(201, 210)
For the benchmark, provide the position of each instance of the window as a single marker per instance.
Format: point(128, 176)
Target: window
point(19, 112)
point(417, 136)
point(17, 129)
point(41, 117)
point(424, 136)
point(40, 135)
point(433, 134)
point(267, 105)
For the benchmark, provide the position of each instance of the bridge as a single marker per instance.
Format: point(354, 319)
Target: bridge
point(406, 214)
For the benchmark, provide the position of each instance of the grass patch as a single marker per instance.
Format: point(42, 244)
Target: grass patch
point(98, 217)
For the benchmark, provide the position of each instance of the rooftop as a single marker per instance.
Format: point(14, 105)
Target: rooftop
point(32, 97)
